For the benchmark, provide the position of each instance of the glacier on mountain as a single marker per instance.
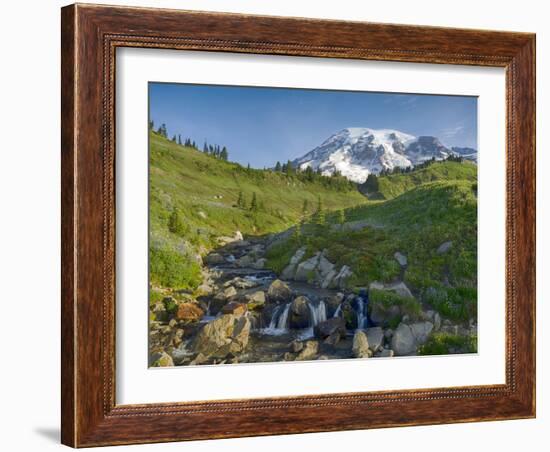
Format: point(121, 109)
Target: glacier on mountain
point(357, 152)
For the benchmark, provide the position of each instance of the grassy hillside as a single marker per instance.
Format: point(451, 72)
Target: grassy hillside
point(394, 185)
point(415, 223)
point(204, 192)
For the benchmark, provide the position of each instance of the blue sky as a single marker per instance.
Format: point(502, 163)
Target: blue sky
point(263, 125)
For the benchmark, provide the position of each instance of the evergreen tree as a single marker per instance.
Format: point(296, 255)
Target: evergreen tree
point(174, 139)
point(175, 224)
point(297, 233)
point(278, 166)
point(288, 167)
point(179, 139)
point(240, 200)
point(224, 155)
point(254, 203)
point(341, 216)
point(151, 125)
point(193, 145)
point(320, 213)
point(371, 184)
point(205, 148)
point(305, 207)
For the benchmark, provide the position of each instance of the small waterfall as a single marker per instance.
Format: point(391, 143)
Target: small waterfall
point(283, 318)
point(360, 313)
point(278, 322)
point(362, 321)
point(318, 313)
point(338, 311)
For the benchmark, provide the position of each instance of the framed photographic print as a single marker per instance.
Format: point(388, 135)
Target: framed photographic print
point(281, 225)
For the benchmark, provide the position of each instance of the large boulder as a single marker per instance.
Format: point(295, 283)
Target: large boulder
point(163, 359)
point(306, 270)
point(400, 288)
point(226, 334)
point(290, 270)
point(309, 351)
point(256, 300)
point(360, 347)
point(260, 263)
point(237, 309)
point(421, 331)
point(403, 342)
point(340, 280)
point(245, 261)
point(334, 325)
point(214, 259)
point(299, 313)
point(380, 314)
point(375, 337)
point(279, 291)
point(189, 312)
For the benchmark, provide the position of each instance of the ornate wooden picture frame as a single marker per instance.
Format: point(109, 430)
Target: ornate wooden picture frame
point(90, 37)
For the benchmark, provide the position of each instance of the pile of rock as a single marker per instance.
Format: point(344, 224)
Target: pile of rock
point(317, 270)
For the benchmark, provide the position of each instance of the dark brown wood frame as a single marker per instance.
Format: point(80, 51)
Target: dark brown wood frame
point(90, 36)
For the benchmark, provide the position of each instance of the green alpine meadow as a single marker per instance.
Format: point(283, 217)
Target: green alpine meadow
point(362, 244)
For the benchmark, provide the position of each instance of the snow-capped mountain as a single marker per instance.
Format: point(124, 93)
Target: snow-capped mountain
point(357, 152)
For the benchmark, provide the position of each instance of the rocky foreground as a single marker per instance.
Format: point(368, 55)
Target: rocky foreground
point(246, 313)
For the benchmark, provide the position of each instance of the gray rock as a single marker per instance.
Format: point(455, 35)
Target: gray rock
point(400, 258)
point(421, 331)
point(437, 321)
point(306, 270)
point(403, 341)
point(328, 278)
point(325, 266)
point(298, 256)
point(245, 261)
point(375, 337)
point(279, 291)
point(340, 280)
point(296, 346)
point(444, 247)
point(386, 353)
point(360, 347)
point(259, 264)
point(400, 288)
point(288, 272)
point(330, 327)
point(214, 259)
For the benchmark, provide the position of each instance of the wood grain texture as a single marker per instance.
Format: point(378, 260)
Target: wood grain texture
point(90, 36)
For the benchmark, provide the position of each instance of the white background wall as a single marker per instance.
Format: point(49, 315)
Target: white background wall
point(29, 226)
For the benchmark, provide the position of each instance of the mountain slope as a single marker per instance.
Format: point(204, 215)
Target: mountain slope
point(392, 185)
point(357, 152)
point(205, 191)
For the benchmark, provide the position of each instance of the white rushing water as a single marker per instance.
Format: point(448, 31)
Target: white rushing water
point(278, 322)
point(318, 313)
point(338, 311)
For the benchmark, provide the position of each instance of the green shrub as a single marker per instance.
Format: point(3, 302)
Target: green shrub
point(168, 268)
point(454, 303)
point(445, 343)
point(385, 299)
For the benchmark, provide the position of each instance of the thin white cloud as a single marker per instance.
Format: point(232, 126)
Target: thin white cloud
point(452, 132)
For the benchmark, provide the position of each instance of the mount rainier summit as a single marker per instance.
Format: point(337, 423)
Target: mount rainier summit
point(357, 152)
